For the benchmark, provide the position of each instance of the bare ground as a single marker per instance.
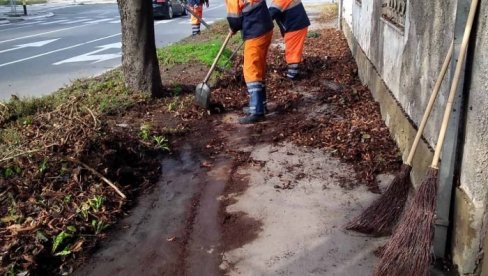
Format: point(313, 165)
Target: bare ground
point(268, 199)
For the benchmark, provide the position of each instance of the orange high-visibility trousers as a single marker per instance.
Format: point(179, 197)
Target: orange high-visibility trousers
point(198, 10)
point(255, 52)
point(294, 43)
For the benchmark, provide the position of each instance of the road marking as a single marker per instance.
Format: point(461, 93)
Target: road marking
point(54, 31)
point(76, 21)
point(58, 50)
point(95, 58)
point(39, 34)
point(33, 44)
point(54, 22)
point(114, 21)
point(99, 20)
point(216, 7)
point(20, 25)
point(164, 21)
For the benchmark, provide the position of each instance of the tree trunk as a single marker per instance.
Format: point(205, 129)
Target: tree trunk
point(139, 61)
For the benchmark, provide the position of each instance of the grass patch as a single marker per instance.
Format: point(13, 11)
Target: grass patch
point(104, 94)
point(202, 49)
point(204, 53)
point(28, 2)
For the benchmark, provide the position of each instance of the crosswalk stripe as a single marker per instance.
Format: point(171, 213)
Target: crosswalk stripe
point(75, 21)
point(99, 21)
point(53, 22)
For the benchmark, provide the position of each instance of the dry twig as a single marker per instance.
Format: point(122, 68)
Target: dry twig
point(110, 183)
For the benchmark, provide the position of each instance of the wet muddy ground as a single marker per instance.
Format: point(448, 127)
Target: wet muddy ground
point(265, 199)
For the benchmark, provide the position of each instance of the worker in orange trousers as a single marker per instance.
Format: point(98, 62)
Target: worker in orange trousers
point(252, 18)
point(291, 17)
point(197, 7)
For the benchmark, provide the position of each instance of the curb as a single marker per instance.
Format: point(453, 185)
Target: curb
point(46, 15)
point(11, 19)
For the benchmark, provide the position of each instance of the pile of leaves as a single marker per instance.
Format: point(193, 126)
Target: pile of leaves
point(56, 168)
point(349, 123)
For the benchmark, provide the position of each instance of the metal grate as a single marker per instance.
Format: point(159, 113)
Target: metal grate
point(394, 11)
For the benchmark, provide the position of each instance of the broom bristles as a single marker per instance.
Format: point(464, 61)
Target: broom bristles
point(380, 218)
point(408, 252)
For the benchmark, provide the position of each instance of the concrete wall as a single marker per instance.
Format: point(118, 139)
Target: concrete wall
point(400, 68)
point(407, 62)
point(471, 223)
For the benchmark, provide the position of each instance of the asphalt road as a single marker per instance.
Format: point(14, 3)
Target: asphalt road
point(39, 56)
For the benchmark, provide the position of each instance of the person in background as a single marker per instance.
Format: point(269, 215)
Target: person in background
point(252, 18)
point(291, 17)
point(197, 7)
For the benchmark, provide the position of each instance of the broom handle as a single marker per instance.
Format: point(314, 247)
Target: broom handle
point(432, 99)
point(217, 57)
point(455, 82)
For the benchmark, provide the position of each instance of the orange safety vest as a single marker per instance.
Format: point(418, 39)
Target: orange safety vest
point(290, 14)
point(249, 16)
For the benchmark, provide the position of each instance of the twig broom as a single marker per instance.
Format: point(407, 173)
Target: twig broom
point(381, 216)
point(408, 251)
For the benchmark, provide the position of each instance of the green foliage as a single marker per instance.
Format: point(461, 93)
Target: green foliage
point(203, 52)
point(161, 142)
point(173, 104)
point(40, 236)
point(98, 226)
point(10, 171)
point(145, 131)
point(67, 198)
point(177, 89)
point(106, 93)
point(96, 203)
point(313, 34)
point(27, 120)
point(10, 136)
point(83, 210)
point(60, 238)
point(43, 166)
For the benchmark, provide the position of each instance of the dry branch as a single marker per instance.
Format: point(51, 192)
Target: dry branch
point(110, 183)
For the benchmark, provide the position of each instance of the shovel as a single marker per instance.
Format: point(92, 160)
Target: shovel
point(202, 92)
point(222, 68)
point(188, 9)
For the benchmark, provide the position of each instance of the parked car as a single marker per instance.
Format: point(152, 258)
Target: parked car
point(168, 8)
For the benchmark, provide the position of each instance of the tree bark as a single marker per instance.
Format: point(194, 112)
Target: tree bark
point(139, 61)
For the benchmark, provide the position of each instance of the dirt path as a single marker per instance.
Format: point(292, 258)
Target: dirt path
point(258, 209)
point(267, 199)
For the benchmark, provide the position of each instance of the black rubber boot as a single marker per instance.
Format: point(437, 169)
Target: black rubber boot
point(247, 110)
point(292, 71)
point(256, 103)
point(251, 119)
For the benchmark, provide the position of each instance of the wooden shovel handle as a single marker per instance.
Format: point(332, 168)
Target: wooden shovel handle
point(217, 57)
point(428, 109)
point(455, 82)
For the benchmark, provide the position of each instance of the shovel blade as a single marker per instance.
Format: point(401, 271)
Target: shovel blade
point(202, 95)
